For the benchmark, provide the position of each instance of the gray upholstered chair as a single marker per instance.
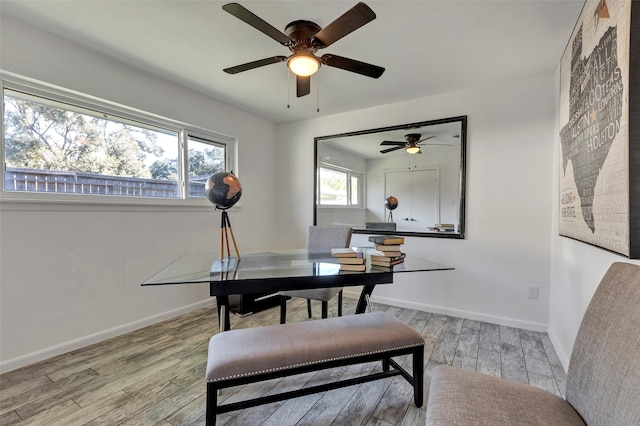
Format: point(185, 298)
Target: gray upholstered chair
point(603, 379)
point(319, 238)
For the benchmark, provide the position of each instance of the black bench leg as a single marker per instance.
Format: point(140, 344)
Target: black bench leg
point(340, 303)
point(309, 307)
point(385, 364)
point(325, 309)
point(283, 309)
point(418, 375)
point(212, 403)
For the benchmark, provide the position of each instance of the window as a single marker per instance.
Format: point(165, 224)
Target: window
point(54, 144)
point(205, 158)
point(339, 187)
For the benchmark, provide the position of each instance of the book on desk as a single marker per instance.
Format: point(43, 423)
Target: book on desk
point(386, 239)
point(349, 259)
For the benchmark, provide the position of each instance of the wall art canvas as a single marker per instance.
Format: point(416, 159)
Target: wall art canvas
point(599, 129)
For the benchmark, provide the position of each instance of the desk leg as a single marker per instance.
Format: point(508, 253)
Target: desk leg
point(223, 310)
point(362, 300)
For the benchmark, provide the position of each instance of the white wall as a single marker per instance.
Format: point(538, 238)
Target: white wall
point(71, 274)
point(509, 190)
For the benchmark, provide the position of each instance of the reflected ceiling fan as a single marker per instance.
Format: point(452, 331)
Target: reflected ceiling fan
point(412, 144)
point(304, 39)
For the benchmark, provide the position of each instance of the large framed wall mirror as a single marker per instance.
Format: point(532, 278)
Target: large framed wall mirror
point(403, 180)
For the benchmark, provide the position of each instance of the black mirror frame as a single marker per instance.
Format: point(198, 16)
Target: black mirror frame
point(463, 179)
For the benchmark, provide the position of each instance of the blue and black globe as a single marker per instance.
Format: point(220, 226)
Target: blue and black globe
point(223, 189)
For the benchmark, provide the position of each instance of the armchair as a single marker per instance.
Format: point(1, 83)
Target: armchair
point(603, 378)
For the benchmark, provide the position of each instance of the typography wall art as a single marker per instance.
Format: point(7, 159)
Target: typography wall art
point(599, 129)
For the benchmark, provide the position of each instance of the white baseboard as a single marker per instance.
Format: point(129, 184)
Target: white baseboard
point(477, 316)
point(46, 353)
point(81, 342)
point(562, 355)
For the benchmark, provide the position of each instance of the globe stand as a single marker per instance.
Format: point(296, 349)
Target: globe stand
point(391, 203)
point(225, 228)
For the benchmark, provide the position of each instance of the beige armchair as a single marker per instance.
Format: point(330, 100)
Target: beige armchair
point(603, 379)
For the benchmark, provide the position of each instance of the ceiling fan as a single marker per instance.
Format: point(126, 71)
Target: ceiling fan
point(304, 39)
point(411, 144)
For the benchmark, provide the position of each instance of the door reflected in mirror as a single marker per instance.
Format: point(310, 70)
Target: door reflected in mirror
point(404, 180)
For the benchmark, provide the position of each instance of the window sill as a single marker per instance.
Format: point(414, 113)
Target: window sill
point(57, 202)
point(340, 208)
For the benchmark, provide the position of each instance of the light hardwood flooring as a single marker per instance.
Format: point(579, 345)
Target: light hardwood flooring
point(155, 375)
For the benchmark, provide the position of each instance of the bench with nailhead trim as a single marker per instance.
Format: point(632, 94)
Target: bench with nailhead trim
point(239, 357)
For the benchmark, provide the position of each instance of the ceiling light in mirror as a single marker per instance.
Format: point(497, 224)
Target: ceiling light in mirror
point(413, 149)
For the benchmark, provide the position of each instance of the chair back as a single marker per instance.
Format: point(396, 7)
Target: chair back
point(603, 379)
point(328, 237)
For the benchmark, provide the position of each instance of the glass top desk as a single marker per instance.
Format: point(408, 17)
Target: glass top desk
point(278, 270)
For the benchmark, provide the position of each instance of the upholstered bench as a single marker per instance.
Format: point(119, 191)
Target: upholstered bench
point(244, 356)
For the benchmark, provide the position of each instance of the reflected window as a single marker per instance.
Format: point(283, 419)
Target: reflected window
point(339, 187)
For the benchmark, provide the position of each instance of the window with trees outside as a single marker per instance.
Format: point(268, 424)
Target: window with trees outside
point(53, 145)
point(339, 187)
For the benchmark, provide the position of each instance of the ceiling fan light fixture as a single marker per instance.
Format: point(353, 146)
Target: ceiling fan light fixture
point(303, 64)
point(413, 149)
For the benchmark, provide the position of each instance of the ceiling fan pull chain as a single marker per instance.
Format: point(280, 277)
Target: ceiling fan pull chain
point(288, 88)
point(318, 105)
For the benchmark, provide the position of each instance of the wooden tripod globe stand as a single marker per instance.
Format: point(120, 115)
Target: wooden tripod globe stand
point(225, 230)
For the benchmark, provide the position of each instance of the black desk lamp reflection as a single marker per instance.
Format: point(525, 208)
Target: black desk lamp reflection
point(391, 203)
point(224, 190)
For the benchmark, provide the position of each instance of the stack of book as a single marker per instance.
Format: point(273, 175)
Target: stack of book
point(388, 251)
point(349, 259)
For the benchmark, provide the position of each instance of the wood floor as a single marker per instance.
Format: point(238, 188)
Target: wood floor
point(155, 375)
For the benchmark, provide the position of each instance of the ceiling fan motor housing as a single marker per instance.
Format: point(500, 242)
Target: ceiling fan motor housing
point(413, 137)
point(301, 29)
point(301, 33)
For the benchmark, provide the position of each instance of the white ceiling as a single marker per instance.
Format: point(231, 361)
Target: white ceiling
point(427, 47)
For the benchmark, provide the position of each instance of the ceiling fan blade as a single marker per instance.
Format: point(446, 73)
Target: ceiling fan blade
point(303, 85)
point(393, 143)
point(384, 151)
point(256, 22)
point(350, 21)
point(352, 65)
point(430, 137)
point(255, 64)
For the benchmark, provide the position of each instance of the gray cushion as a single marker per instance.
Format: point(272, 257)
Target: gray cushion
point(459, 397)
point(252, 351)
point(603, 379)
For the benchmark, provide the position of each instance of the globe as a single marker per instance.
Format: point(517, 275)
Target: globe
point(223, 189)
point(391, 203)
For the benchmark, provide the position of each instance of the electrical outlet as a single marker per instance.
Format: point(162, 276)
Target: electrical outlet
point(533, 293)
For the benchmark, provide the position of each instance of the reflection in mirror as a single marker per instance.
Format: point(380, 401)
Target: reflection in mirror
point(402, 180)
